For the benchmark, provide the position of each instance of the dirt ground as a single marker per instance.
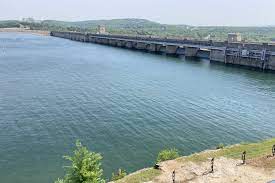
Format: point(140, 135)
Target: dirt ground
point(259, 170)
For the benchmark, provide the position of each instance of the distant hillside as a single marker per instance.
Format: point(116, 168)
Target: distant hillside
point(9, 23)
point(146, 27)
point(115, 23)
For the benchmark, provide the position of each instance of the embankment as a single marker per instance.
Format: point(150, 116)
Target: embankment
point(228, 167)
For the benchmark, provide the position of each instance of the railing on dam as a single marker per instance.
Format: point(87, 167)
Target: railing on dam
point(256, 55)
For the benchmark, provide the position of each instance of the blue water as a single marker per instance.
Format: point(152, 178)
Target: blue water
point(127, 105)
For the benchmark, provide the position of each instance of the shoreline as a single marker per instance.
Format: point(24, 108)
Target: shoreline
point(228, 166)
point(28, 31)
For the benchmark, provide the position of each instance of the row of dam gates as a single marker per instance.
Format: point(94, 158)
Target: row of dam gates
point(251, 55)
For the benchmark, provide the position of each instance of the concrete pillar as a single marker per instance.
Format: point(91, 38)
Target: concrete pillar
point(73, 37)
point(121, 43)
point(171, 49)
point(217, 55)
point(203, 54)
point(180, 51)
point(271, 63)
point(158, 47)
point(151, 47)
point(92, 39)
point(191, 51)
point(78, 37)
point(141, 46)
point(129, 44)
point(83, 38)
point(112, 42)
point(162, 49)
point(105, 41)
point(97, 40)
point(86, 38)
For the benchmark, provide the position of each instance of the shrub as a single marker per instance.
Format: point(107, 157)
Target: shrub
point(220, 146)
point(119, 175)
point(85, 167)
point(167, 154)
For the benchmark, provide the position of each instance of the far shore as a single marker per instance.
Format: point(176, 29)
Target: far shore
point(22, 30)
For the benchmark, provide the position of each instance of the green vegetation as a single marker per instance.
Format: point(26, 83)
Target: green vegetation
point(85, 167)
point(167, 154)
point(119, 175)
point(253, 150)
point(145, 175)
point(220, 146)
point(149, 28)
point(9, 23)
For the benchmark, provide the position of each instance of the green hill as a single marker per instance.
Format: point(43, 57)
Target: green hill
point(114, 23)
point(9, 23)
point(146, 27)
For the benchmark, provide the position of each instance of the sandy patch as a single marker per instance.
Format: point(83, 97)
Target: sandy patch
point(225, 170)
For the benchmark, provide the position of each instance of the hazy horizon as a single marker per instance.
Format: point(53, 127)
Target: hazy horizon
point(205, 13)
point(137, 18)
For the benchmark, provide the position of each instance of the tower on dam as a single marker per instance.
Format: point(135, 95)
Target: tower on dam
point(234, 37)
point(101, 29)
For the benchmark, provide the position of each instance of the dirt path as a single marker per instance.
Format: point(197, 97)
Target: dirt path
point(225, 170)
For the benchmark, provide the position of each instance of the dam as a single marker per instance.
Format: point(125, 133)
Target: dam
point(251, 55)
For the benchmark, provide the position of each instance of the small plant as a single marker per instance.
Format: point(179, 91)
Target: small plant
point(119, 175)
point(220, 146)
point(167, 154)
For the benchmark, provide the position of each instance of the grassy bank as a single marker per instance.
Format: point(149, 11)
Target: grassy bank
point(254, 150)
point(144, 175)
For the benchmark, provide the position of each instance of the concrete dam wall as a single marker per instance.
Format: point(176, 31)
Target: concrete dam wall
point(251, 55)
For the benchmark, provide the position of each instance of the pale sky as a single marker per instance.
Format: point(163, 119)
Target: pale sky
point(191, 12)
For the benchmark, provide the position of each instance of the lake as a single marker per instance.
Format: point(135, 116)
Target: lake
point(127, 105)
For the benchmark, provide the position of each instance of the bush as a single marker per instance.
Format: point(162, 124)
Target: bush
point(119, 175)
point(220, 146)
point(85, 167)
point(167, 154)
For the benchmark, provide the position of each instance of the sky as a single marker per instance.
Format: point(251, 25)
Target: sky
point(190, 12)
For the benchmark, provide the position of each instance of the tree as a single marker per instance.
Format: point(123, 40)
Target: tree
point(85, 167)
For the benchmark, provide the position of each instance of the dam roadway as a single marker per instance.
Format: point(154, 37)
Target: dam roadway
point(250, 55)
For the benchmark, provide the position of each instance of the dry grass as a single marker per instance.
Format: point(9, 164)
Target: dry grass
point(253, 150)
point(256, 156)
point(140, 176)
